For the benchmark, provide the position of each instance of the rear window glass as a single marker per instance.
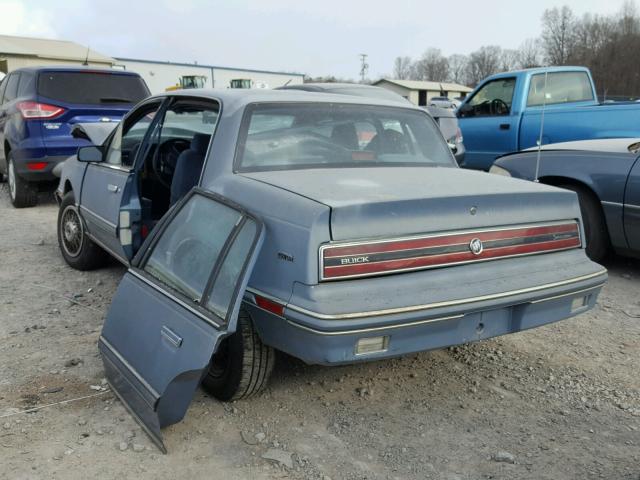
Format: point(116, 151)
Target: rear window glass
point(561, 87)
point(303, 135)
point(91, 88)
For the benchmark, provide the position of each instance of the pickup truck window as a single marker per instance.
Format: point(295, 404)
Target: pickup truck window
point(562, 87)
point(290, 136)
point(493, 99)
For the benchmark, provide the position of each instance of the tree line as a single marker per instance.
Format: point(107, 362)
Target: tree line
point(607, 44)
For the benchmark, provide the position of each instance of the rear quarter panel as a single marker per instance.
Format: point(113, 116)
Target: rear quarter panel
point(579, 122)
point(605, 174)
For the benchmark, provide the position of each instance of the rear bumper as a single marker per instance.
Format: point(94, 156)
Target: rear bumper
point(450, 319)
point(22, 160)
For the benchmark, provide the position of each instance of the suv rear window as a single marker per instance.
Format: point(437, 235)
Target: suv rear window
point(91, 88)
point(329, 135)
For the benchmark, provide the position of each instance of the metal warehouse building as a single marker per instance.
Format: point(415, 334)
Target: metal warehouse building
point(18, 52)
point(421, 92)
point(160, 75)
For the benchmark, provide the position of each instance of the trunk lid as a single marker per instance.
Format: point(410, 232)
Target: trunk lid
point(405, 201)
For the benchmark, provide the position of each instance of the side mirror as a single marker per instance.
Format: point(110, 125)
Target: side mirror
point(89, 154)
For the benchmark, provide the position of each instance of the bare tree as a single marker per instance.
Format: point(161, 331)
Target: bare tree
point(509, 59)
point(458, 68)
point(557, 34)
point(483, 62)
point(530, 54)
point(402, 68)
point(432, 66)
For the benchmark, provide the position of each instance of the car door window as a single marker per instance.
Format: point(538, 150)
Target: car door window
point(3, 85)
point(26, 87)
point(493, 99)
point(11, 91)
point(129, 135)
point(202, 252)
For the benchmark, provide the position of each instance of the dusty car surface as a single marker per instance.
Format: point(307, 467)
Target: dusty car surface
point(337, 229)
point(604, 173)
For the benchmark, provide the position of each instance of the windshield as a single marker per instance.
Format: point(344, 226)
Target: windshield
point(289, 136)
point(92, 88)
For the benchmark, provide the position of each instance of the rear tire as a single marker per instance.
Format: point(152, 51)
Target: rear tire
point(22, 193)
point(242, 365)
point(595, 228)
point(76, 247)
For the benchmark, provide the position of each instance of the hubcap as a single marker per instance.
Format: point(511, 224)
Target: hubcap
point(12, 181)
point(71, 229)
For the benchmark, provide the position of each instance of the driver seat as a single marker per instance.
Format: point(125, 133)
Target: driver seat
point(188, 167)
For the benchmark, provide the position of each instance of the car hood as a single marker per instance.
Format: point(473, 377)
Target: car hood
point(396, 201)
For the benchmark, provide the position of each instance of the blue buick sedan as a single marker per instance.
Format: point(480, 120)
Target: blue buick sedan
point(336, 229)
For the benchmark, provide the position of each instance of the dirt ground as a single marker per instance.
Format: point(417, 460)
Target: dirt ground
point(559, 402)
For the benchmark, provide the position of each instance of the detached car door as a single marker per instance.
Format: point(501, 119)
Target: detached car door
point(178, 300)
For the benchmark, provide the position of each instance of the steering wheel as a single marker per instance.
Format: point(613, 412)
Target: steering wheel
point(165, 159)
point(499, 107)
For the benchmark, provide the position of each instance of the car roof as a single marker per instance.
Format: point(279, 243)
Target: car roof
point(71, 68)
point(241, 97)
point(609, 145)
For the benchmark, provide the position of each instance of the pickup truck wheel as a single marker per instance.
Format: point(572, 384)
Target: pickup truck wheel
point(21, 192)
point(595, 228)
point(77, 249)
point(242, 365)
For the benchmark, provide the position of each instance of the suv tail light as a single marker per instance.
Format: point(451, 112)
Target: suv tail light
point(35, 110)
point(363, 259)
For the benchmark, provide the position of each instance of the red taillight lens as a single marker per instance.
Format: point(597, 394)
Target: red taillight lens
point(37, 165)
point(270, 305)
point(35, 110)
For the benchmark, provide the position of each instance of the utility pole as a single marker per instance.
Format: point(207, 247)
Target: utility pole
point(364, 67)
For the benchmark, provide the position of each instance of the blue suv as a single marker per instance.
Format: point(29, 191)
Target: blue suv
point(39, 106)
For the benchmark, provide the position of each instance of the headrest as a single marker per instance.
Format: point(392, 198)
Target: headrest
point(200, 142)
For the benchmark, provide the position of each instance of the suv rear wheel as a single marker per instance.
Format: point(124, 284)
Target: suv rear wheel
point(22, 193)
point(242, 364)
point(77, 249)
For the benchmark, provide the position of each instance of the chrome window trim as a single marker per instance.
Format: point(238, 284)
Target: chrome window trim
point(325, 246)
point(450, 303)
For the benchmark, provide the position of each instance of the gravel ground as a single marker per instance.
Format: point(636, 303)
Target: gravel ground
point(558, 402)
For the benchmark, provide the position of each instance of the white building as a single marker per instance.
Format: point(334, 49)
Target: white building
point(420, 92)
point(161, 75)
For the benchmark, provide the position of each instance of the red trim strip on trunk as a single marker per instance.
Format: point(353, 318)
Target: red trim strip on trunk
point(386, 266)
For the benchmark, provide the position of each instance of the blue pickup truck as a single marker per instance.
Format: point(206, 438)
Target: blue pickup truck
point(503, 114)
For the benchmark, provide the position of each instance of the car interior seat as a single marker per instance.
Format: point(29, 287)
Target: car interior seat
point(388, 142)
point(345, 135)
point(188, 167)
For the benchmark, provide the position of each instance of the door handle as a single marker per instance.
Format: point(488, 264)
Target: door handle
point(505, 126)
point(113, 188)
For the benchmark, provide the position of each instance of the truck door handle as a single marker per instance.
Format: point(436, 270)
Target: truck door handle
point(505, 126)
point(113, 188)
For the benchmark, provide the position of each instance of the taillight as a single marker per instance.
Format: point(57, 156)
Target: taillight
point(36, 165)
point(35, 110)
point(363, 259)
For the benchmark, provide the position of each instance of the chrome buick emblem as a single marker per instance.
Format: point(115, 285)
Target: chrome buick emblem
point(476, 246)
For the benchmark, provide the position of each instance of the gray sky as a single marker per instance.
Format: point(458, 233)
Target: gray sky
point(322, 37)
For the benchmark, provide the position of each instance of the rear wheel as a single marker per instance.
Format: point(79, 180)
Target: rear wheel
point(22, 193)
point(77, 249)
point(242, 365)
point(595, 228)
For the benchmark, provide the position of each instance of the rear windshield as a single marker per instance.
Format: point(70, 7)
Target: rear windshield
point(290, 136)
point(91, 88)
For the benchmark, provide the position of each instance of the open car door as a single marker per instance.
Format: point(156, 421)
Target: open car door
point(178, 300)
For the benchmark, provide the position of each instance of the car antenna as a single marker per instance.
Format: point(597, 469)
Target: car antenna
point(544, 104)
point(86, 58)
